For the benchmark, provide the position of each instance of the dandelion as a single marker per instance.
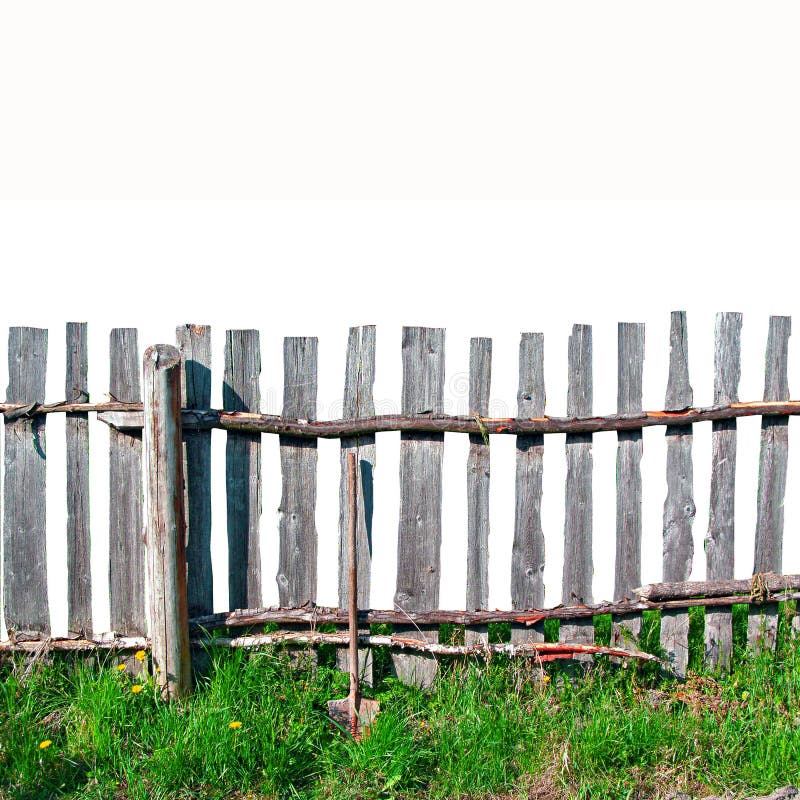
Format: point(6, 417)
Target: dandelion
point(122, 667)
point(235, 725)
point(45, 744)
point(545, 679)
point(140, 655)
point(136, 688)
point(745, 695)
point(423, 724)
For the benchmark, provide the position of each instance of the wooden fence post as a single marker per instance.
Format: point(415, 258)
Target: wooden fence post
point(166, 526)
point(679, 508)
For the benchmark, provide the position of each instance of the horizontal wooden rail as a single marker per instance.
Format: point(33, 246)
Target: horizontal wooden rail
point(129, 417)
point(543, 651)
point(761, 584)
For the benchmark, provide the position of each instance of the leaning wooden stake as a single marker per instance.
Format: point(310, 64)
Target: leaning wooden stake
point(166, 527)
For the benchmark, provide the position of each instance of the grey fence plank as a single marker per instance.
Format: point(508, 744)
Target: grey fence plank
point(679, 508)
point(420, 529)
point(480, 380)
point(194, 342)
point(126, 527)
point(628, 564)
point(358, 403)
point(720, 536)
point(241, 392)
point(297, 559)
point(527, 552)
point(26, 609)
point(576, 586)
point(79, 552)
point(774, 456)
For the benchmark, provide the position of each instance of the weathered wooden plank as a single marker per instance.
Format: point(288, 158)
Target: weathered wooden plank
point(194, 342)
point(420, 529)
point(297, 558)
point(773, 460)
point(166, 521)
point(126, 527)
point(527, 552)
point(79, 552)
point(720, 536)
point(576, 583)
point(679, 508)
point(628, 564)
point(358, 403)
point(480, 380)
point(26, 609)
point(241, 392)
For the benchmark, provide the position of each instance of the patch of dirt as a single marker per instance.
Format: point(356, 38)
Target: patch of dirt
point(785, 793)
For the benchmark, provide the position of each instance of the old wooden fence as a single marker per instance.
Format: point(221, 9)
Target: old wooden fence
point(178, 389)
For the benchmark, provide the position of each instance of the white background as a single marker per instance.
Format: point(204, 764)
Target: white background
point(488, 168)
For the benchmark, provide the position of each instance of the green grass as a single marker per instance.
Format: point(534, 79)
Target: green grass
point(484, 730)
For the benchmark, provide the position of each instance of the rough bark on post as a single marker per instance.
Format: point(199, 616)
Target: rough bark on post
point(27, 613)
point(126, 528)
point(166, 521)
point(576, 584)
point(527, 553)
point(773, 460)
point(194, 342)
point(240, 392)
point(297, 559)
point(358, 403)
point(720, 537)
point(480, 379)
point(420, 530)
point(79, 553)
point(679, 508)
point(628, 564)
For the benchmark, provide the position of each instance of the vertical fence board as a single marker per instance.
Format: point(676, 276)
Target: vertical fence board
point(79, 553)
point(166, 520)
point(773, 460)
point(358, 404)
point(420, 529)
point(297, 560)
point(241, 392)
point(27, 613)
point(679, 508)
point(480, 379)
point(194, 342)
point(720, 537)
point(628, 564)
point(576, 584)
point(126, 529)
point(527, 553)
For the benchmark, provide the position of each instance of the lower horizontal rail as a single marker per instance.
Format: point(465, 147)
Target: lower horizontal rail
point(545, 651)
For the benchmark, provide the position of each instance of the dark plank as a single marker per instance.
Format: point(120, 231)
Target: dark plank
point(26, 609)
point(774, 456)
point(194, 342)
point(79, 553)
point(576, 585)
point(628, 563)
point(720, 536)
point(358, 404)
point(420, 529)
point(127, 572)
point(527, 552)
point(679, 508)
point(241, 392)
point(297, 559)
point(480, 380)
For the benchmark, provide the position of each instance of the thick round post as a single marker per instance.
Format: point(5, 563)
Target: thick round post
point(166, 535)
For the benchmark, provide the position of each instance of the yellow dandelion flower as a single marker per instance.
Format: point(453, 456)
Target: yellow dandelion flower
point(136, 688)
point(234, 725)
point(140, 655)
point(545, 679)
point(122, 667)
point(45, 744)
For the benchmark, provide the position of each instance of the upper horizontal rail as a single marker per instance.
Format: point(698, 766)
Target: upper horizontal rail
point(129, 416)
